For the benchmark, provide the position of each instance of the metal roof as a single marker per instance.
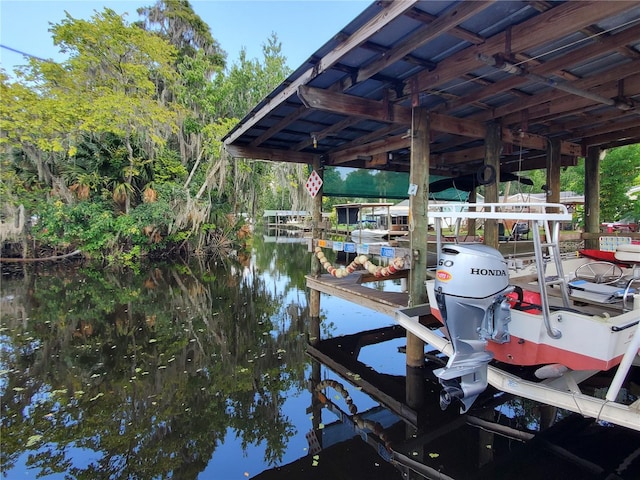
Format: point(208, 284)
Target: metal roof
point(567, 71)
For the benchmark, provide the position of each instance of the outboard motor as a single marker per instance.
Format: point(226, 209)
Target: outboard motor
point(470, 288)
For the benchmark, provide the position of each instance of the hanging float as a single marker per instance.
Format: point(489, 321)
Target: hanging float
point(360, 261)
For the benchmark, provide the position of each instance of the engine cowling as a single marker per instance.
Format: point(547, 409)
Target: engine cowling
point(471, 271)
point(470, 288)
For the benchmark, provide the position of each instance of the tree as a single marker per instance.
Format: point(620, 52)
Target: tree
point(619, 171)
point(115, 69)
point(246, 83)
point(133, 121)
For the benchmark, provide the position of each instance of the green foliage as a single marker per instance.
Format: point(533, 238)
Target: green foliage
point(619, 171)
point(168, 167)
point(176, 21)
point(85, 224)
point(137, 110)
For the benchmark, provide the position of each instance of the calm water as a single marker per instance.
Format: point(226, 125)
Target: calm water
point(200, 371)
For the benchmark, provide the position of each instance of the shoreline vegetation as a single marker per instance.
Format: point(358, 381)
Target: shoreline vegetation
point(117, 151)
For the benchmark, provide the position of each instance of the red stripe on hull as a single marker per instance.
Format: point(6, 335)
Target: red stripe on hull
point(523, 352)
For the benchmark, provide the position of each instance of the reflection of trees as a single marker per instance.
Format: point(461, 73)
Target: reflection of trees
point(146, 370)
point(284, 259)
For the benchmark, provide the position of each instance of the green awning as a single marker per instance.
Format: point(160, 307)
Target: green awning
point(364, 183)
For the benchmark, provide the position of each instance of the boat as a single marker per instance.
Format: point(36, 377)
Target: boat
point(536, 329)
point(363, 234)
point(374, 221)
point(603, 256)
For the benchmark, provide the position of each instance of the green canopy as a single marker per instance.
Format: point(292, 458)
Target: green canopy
point(364, 183)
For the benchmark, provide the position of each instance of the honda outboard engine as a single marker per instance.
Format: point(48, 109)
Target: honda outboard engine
point(470, 288)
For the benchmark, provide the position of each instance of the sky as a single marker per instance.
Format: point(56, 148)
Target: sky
point(302, 26)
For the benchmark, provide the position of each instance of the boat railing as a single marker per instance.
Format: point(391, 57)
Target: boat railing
point(501, 211)
point(543, 216)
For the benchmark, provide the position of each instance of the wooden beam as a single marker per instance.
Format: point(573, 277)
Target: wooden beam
point(617, 136)
point(343, 104)
point(269, 154)
point(297, 113)
point(461, 156)
point(351, 105)
point(459, 32)
point(589, 119)
point(392, 11)
point(603, 46)
point(457, 126)
point(383, 145)
point(385, 132)
point(631, 123)
point(336, 127)
point(509, 110)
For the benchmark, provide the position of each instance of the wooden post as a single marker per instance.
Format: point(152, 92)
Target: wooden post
point(419, 222)
point(471, 222)
point(314, 295)
point(418, 207)
point(592, 196)
point(492, 150)
point(553, 171)
point(316, 404)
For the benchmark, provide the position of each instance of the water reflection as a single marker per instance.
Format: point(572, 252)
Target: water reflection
point(200, 371)
point(501, 437)
point(142, 375)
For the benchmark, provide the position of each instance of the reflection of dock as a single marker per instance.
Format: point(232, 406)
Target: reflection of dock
point(284, 238)
point(493, 440)
point(341, 355)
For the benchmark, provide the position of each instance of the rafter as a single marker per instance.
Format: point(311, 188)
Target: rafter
point(556, 66)
point(270, 154)
point(448, 20)
point(349, 105)
point(394, 10)
point(554, 23)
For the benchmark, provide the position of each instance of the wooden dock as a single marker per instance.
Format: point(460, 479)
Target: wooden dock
point(353, 288)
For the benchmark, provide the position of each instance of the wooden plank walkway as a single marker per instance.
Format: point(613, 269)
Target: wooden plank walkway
point(353, 289)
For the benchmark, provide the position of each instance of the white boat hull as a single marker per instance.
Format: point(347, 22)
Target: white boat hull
point(587, 342)
point(370, 233)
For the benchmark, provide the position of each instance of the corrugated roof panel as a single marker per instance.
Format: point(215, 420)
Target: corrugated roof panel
point(619, 22)
point(559, 48)
point(601, 64)
point(441, 47)
point(500, 15)
point(400, 70)
point(395, 32)
point(502, 98)
point(372, 89)
point(452, 81)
